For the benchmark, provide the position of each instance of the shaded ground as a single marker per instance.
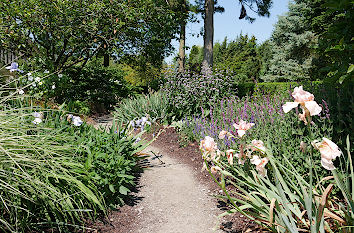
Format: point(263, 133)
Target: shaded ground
point(174, 196)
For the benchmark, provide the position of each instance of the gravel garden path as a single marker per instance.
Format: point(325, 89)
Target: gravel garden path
point(172, 200)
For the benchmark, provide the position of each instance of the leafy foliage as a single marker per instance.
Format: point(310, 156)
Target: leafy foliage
point(332, 20)
point(188, 93)
point(60, 34)
point(94, 83)
point(110, 161)
point(56, 174)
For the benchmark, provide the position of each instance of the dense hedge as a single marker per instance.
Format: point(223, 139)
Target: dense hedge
point(274, 87)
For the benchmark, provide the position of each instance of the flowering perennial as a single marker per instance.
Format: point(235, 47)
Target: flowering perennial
point(307, 103)
point(140, 123)
point(76, 120)
point(13, 67)
point(329, 151)
point(242, 127)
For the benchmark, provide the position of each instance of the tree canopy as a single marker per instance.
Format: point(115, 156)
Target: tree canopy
point(64, 33)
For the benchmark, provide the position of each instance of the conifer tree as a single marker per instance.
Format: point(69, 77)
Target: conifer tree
point(292, 46)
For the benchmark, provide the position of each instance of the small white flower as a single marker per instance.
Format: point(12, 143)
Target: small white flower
point(53, 87)
point(36, 121)
point(46, 72)
point(21, 92)
point(38, 115)
point(144, 119)
point(138, 139)
point(77, 121)
point(60, 75)
point(34, 84)
point(30, 78)
point(37, 79)
point(40, 83)
point(69, 117)
point(29, 74)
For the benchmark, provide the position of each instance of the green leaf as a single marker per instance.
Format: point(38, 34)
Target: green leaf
point(123, 190)
point(111, 187)
point(342, 78)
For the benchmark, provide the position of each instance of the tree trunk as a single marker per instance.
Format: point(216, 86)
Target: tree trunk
point(106, 60)
point(105, 56)
point(182, 47)
point(208, 33)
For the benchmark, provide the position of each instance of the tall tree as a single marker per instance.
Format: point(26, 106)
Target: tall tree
point(292, 44)
point(184, 9)
point(208, 33)
point(207, 8)
point(260, 7)
point(239, 58)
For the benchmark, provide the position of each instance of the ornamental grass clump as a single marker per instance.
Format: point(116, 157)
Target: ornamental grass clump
point(154, 105)
point(41, 186)
point(267, 187)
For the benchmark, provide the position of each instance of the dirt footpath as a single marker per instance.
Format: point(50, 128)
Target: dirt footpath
point(173, 201)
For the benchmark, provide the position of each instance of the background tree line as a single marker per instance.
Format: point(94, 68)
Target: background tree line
point(122, 44)
point(312, 41)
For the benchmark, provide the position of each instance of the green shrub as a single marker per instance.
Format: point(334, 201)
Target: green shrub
point(249, 88)
point(188, 93)
point(110, 160)
point(95, 84)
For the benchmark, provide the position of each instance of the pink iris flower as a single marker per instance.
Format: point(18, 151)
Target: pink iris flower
point(260, 164)
point(230, 156)
point(242, 127)
point(224, 133)
point(329, 151)
point(208, 146)
point(257, 145)
point(306, 101)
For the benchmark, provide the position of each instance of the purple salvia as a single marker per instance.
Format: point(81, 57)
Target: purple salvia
point(326, 109)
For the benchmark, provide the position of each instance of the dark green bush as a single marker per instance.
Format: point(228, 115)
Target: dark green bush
point(101, 87)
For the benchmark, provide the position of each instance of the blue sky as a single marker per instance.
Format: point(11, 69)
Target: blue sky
point(228, 24)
